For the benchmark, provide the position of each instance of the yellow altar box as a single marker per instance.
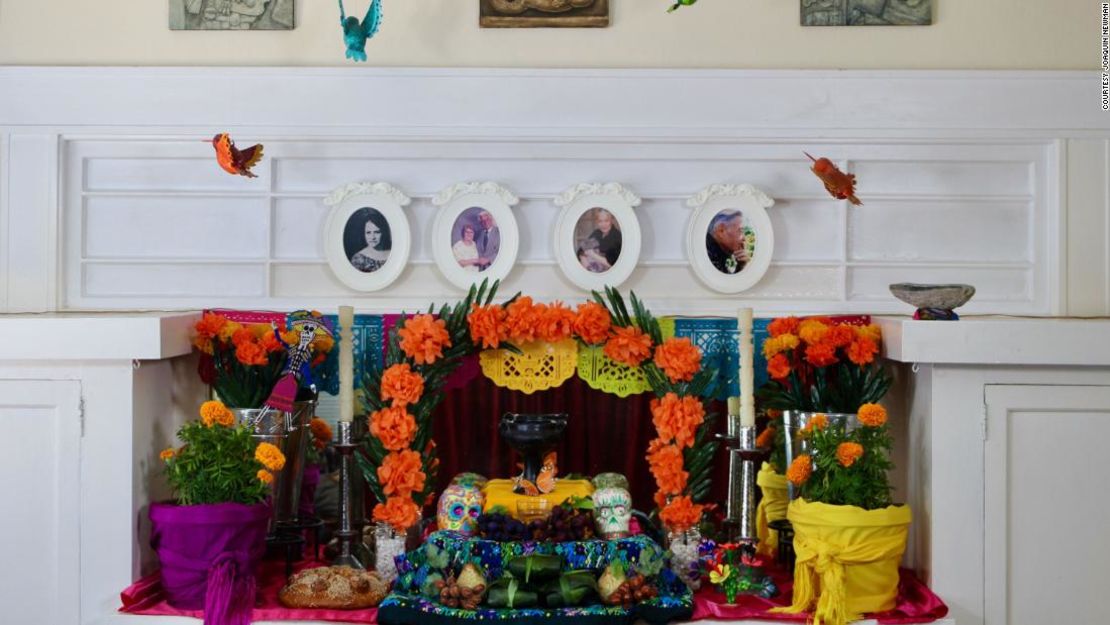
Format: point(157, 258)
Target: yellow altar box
point(500, 493)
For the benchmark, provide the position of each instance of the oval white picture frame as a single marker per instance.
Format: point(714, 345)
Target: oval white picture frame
point(576, 202)
point(345, 202)
point(753, 205)
point(475, 197)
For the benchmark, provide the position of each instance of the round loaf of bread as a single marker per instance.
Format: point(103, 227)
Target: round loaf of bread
point(334, 588)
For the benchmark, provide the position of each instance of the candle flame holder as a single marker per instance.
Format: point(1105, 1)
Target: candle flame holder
point(349, 526)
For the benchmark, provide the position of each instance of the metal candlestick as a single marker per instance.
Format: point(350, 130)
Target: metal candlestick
point(348, 531)
point(746, 454)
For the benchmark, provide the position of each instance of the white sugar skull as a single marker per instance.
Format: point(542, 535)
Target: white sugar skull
point(459, 507)
point(613, 511)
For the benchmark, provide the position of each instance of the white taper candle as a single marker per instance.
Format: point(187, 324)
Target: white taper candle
point(346, 363)
point(747, 369)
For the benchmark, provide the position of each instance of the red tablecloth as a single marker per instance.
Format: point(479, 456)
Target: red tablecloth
point(916, 603)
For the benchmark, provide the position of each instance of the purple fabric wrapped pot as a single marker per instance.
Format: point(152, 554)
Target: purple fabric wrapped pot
point(209, 553)
point(309, 482)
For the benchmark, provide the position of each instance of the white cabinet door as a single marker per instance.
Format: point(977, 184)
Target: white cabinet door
point(40, 447)
point(1047, 512)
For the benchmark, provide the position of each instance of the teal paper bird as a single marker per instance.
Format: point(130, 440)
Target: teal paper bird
point(680, 3)
point(356, 33)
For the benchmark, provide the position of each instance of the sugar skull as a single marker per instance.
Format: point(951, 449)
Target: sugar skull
point(613, 511)
point(459, 507)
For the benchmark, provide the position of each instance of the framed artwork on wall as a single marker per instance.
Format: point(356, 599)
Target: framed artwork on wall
point(597, 234)
point(543, 13)
point(729, 238)
point(867, 12)
point(475, 235)
point(231, 14)
point(366, 235)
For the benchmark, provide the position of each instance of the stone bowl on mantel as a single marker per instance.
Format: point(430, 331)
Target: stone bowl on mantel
point(933, 301)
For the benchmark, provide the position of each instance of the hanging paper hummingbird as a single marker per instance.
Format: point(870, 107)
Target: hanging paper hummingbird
point(356, 33)
point(842, 186)
point(233, 160)
point(680, 3)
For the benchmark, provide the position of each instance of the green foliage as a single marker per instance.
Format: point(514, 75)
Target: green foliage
point(216, 465)
point(842, 387)
point(435, 376)
point(864, 483)
point(244, 386)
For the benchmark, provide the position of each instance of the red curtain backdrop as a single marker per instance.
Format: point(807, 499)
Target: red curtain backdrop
point(604, 433)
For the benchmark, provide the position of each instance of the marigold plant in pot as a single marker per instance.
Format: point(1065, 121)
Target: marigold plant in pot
point(848, 536)
point(210, 540)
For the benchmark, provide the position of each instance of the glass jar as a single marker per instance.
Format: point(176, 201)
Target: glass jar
point(684, 547)
point(388, 545)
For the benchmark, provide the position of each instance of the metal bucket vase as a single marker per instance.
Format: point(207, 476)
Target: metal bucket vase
point(795, 421)
point(289, 432)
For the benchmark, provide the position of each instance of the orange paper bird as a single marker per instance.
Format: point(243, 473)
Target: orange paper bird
point(234, 160)
point(842, 186)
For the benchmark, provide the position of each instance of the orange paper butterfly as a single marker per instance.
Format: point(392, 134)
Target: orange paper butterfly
point(545, 481)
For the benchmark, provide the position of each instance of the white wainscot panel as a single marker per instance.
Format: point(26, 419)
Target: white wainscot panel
point(807, 230)
point(158, 172)
point(940, 230)
point(152, 281)
point(992, 284)
point(298, 228)
point(175, 227)
point(949, 177)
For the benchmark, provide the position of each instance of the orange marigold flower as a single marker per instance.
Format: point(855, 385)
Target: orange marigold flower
point(251, 353)
point(678, 358)
point(821, 355)
point(270, 456)
point(628, 346)
point(680, 514)
point(401, 473)
point(847, 453)
point(817, 422)
point(394, 427)
point(800, 470)
point(487, 325)
point(556, 323)
point(840, 335)
point(203, 344)
point(677, 418)
point(265, 476)
point(522, 320)
point(783, 325)
point(167, 453)
point(813, 331)
point(423, 338)
point(592, 323)
point(872, 415)
point(666, 467)
point(229, 330)
point(870, 331)
point(216, 413)
point(402, 385)
point(400, 512)
point(242, 335)
point(766, 438)
point(323, 344)
point(660, 499)
point(778, 367)
point(269, 342)
point(210, 325)
point(291, 337)
point(862, 351)
point(320, 429)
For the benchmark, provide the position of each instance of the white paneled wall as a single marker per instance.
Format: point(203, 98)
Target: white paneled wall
point(957, 187)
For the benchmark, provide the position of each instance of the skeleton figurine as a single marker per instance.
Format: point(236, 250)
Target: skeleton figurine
point(459, 507)
point(613, 512)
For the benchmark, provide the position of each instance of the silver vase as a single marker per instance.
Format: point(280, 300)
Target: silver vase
point(289, 432)
point(794, 421)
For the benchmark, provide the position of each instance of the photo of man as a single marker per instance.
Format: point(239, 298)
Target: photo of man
point(728, 242)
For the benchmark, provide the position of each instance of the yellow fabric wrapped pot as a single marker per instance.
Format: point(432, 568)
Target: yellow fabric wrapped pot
point(847, 559)
point(772, 507)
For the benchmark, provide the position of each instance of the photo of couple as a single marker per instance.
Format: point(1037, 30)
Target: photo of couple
point(475, 239)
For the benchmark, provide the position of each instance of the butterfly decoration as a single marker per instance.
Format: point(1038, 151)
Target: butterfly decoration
point(840, 185)
point(355, 33)
point(545, 481)
point(232, 159)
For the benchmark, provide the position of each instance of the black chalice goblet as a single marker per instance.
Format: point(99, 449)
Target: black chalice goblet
point(533, 435)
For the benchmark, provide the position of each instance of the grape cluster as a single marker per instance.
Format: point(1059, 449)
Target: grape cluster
point(634, 590)
point(501, 528)
point(565, 524)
